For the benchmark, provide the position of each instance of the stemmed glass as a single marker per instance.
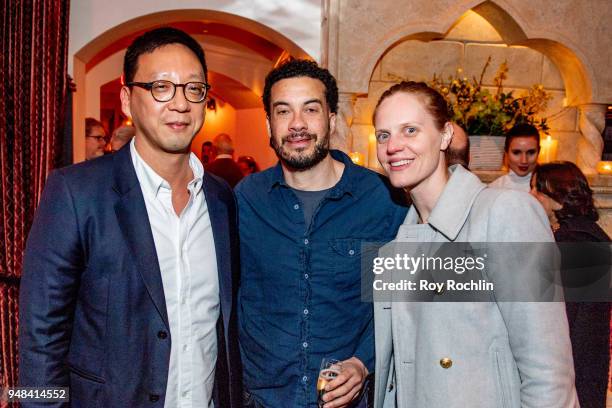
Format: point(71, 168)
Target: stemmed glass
point(330, 369)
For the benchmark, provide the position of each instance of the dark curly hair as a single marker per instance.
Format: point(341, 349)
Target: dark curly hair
point(302, 68)
point(566, 184)
point(434, 102)
point(152, 40)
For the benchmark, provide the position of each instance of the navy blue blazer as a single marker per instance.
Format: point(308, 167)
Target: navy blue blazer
point(92, 309)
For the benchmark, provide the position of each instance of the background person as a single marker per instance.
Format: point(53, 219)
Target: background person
point(224, 165)
point(564, 192)
point(513, 353)
point(247, 165)
point(208, 152)
point(95, 138)
point(521, 150)
point(458, 152)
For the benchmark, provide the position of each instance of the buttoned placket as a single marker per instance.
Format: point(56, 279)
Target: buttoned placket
point(180, 227)
point(297, 214)
point(305, 332)
point(298, 217)
point(306, 251)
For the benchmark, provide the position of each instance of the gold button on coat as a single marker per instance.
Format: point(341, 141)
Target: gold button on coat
point(446, 362)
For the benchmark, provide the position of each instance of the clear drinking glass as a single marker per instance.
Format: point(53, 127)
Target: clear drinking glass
point(330, 369)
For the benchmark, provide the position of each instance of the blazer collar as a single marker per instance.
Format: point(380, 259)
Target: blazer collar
point(124, 175)
point(219, 210)
point(453, 207)
point(133, 221)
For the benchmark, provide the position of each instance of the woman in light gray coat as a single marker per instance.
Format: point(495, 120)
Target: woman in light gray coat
point(477, 354)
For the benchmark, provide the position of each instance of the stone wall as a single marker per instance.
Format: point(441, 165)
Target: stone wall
point(357, 33)
point(565, 44)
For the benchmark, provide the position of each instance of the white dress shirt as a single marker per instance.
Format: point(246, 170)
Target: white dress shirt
point(513, 181)
point(188, 264)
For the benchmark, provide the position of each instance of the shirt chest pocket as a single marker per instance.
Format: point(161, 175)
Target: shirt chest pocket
point(345, 255)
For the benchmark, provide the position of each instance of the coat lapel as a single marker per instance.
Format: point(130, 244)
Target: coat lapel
point(219, 220)
point(453, 207)
point(134, 223)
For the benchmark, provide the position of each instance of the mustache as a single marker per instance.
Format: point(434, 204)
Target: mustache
point(298, 135)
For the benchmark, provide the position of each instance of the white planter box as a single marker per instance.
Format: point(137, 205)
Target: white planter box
point(486, 152)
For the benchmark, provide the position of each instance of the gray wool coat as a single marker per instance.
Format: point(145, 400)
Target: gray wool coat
point(474, 354)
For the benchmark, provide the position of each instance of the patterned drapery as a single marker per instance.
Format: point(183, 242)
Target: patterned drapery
point(33, 88)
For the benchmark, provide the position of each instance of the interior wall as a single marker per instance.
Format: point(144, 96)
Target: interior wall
point(252, 137)
point(574, 32)
point(104, 72)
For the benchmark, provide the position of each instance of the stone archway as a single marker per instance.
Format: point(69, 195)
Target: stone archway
point(578, 86)
point(356, 62)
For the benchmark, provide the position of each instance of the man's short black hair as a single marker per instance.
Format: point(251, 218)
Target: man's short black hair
point(152, 40)
point(522, 130)
point(302, 68)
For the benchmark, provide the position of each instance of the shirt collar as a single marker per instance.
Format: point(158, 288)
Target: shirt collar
point(454, 205)
point(198, 172)
point(343, 186)
point(151, 182)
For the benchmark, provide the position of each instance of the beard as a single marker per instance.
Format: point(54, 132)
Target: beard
point(298, 159)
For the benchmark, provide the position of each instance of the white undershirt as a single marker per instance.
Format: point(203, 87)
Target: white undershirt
point(188, 264)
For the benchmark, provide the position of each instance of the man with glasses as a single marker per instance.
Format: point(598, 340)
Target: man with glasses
point(129, 281)
point(95, 139)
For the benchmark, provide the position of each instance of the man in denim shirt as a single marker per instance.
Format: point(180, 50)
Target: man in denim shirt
point(302, 224)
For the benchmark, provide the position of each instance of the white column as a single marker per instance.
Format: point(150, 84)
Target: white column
point(342, 138)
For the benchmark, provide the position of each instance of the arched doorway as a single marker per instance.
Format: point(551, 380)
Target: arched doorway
point(239, 52)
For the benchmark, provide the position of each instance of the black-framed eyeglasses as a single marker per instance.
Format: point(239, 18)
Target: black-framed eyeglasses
point(163, 91)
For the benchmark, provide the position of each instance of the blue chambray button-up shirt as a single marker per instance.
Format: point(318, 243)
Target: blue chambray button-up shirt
point(300, 294)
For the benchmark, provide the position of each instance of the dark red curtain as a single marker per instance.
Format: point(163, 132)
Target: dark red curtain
point(33, 61)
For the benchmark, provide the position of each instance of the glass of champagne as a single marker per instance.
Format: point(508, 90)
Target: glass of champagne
point(330, 369)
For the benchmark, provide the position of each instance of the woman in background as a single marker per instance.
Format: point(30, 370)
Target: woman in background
point(564, 192)
point(469, 354)
point(521, 150)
